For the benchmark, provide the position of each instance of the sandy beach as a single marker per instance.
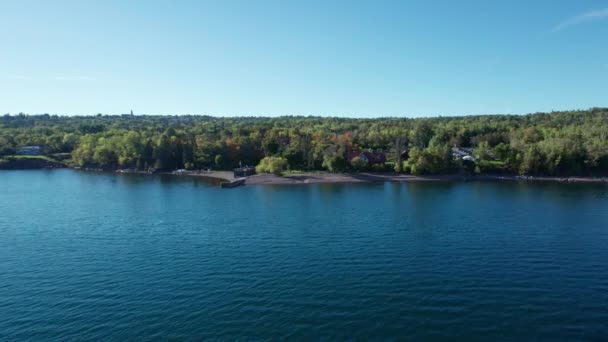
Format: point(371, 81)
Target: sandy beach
point(368, 177)
point(317, 178)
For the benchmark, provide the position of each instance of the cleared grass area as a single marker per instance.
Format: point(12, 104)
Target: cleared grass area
point(17, 157)
point(301, 172)
point(493, 166)
point(496, 163)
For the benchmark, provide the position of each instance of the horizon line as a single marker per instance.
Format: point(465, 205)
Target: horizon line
point(306, 115)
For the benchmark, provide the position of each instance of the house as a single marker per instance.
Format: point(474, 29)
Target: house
point(29, 150)
point(464, 153)
point(372, 158)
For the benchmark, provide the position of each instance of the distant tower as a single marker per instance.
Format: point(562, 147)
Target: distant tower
point(131, 112)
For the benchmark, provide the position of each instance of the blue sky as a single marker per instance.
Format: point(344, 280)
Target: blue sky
point(338, 58)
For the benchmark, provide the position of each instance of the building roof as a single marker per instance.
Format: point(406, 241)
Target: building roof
point(370, 157)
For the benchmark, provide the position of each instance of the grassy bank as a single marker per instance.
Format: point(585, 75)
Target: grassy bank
point(23, 162)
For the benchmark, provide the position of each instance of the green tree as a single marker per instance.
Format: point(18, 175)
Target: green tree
point(219, 161)
point(105, 153)
point(334, 162)
point(274, 165)
point(146, 157)
point(163, 153)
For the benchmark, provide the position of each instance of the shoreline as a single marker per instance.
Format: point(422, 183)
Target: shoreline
point(343, 178)
point(364, 177)
point(369, 177)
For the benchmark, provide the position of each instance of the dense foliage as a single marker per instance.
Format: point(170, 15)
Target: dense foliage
point(559, 143)
point(274, 165)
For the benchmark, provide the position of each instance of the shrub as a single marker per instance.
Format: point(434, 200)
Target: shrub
point(435, 160)
point(219, 161)
point(334, 163)
point(274, 165)
point(358, 164)
point(378, 168)
point(406, 168)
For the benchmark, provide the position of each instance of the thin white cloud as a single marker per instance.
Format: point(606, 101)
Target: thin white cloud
point(581, 18)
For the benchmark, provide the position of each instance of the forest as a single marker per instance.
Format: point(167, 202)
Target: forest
point(554, 144)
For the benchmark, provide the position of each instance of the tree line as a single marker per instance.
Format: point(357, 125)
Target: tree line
point(557, 144)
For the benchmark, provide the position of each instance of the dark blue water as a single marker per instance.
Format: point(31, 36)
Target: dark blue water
point(98, 256)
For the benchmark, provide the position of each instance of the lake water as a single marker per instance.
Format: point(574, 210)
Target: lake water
point(101, 256)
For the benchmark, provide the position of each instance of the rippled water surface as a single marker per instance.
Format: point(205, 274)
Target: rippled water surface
point(99, 256)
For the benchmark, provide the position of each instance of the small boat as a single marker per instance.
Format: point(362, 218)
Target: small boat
point(233, 184)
